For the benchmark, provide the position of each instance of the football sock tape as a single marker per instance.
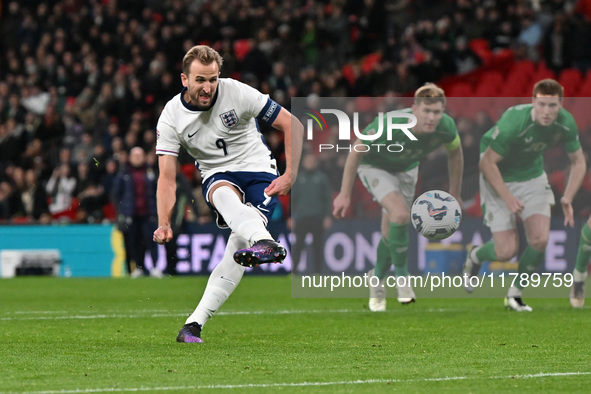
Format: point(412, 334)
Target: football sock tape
point(384, 261)
point(529, 261)
point(486, 252)
point(398, 242)
point(584, 252)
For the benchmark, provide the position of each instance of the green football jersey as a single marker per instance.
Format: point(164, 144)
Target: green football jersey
point(413, 151)
point(522, 142)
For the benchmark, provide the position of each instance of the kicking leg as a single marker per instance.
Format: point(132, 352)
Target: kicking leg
point(398, 239)
point(222, 282)
point(248, 223)
point(502, 247)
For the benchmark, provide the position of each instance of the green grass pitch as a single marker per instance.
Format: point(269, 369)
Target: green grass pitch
point(118, 335)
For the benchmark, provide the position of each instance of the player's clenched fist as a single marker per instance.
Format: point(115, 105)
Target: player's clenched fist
point(162, 234)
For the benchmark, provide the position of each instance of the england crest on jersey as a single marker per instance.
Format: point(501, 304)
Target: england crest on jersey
point(229, 119)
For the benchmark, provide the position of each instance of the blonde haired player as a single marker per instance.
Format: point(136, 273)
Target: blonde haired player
point(391, 178)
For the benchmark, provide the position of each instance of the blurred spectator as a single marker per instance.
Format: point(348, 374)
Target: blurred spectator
point(530, 35)
point(83, 150)
point(465, 59)
point(90, 194)
point(32, 201)
point(557, 46)
point(279, 79)
point(7, 201)
point(311, 200)
point(185, 205)
point(580, 41)
point(60, 189)
point(9, 145)
point(477, 26)
point(134, 197)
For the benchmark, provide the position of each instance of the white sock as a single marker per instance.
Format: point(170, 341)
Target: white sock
point(514, 292)
point(473, 256)
point(222, 282)
point(579, 276)
point(245, 220)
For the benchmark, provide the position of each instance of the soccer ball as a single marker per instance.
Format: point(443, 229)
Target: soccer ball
point(436, 214)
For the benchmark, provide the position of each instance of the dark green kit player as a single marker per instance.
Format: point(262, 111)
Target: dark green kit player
point(390, 175)
point(513, 182)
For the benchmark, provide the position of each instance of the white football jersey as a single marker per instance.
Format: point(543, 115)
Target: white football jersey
point(226, 136)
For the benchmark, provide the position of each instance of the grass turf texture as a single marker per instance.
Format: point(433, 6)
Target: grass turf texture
point(93, 335)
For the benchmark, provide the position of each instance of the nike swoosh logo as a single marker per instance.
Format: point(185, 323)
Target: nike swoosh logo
point(262, 209)
point(191, 135)
point(436, 211)
point(228, 280)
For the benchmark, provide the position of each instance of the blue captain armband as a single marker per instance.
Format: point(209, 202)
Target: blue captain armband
point(269, 112)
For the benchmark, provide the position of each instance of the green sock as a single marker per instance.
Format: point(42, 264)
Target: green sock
point(383, 262)
point(398, 242)
point(529, 261)
point(486, 252)
point(584, 253)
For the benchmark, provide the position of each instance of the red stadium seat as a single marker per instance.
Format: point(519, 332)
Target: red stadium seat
point(543, 72)
point(241, 48)
point(349, 74)
point(585, 90)
point(489, 84)
point(571, 79)
point(460, 89)
point(518, 81)
point(481, 48)
point(524, 67)
point(369, 62)
point(457, 103)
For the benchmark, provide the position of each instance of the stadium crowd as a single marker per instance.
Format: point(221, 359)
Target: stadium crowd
point(83, 82)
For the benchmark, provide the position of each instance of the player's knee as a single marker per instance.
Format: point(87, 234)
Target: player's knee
point(401, 217)
point(505, 252)
point(538, 242)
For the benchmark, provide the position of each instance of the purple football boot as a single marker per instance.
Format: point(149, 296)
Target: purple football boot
point(263, 251)
point(190, 333)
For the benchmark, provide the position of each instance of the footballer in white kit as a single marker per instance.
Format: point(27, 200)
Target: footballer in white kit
point(216, 121)
point(225, 138)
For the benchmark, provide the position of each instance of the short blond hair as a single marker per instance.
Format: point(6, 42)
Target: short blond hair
point(206, 55)
point(548, 87)
point(429, 93)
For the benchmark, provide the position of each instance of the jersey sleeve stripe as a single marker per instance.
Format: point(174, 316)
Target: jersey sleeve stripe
point(166, 152)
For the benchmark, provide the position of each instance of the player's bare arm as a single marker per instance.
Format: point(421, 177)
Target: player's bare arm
point(578, 168)
point(342, 201)
point(294, 135)
point(490, 169)
point(455, 167)
point(165, 197)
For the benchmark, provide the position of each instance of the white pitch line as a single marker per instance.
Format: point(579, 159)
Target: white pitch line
point(147, 314)
point(308, 384)
point(169, 314)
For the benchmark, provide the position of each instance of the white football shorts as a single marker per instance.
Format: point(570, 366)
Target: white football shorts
point(536, 195)
point(380, 182)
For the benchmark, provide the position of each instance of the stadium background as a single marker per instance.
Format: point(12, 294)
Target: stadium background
point(84, 81)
